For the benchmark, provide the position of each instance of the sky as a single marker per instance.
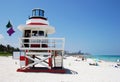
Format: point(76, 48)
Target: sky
point(92, 26)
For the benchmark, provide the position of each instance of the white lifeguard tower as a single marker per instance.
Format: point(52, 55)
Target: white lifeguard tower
point(38, 52)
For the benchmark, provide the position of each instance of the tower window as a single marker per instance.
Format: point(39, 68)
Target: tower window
point(37, 33)
point(34, 33)
point(27, 33)
point(41, 33)
point(41, 13)
point(38, 13)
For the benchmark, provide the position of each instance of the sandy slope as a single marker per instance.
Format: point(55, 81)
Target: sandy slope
point(80, 71)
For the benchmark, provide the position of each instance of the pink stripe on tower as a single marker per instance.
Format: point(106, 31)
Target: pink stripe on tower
point(36, 24)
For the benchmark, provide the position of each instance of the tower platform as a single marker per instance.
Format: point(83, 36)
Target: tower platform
point(42, 69)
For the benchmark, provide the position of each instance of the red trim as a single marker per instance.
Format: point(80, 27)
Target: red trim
point(38, 45)
point(35, 45)
point(55, 53)
point(22, 58)
point(44, 45)
point(36, 24)
point(26, 50)
point(50, 62)
point(42, 70)
point(26, 61)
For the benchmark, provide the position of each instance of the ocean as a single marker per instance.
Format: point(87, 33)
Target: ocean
point(109, 58)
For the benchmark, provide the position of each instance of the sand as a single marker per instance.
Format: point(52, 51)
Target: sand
point(80, 71)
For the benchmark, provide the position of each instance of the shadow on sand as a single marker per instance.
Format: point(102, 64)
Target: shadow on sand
point(68, 71)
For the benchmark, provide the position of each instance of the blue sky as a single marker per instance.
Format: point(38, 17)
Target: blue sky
point(91, 26)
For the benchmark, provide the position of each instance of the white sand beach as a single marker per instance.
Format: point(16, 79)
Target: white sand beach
point(79, 71)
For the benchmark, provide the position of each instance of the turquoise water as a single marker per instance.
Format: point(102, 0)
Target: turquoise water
point(110, 58)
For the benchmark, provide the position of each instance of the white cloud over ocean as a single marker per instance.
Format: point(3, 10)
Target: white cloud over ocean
point(1, 36)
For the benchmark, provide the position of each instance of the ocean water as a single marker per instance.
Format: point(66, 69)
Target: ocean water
point(110, 58)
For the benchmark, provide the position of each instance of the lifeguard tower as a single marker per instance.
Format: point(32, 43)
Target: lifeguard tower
point(38, 52)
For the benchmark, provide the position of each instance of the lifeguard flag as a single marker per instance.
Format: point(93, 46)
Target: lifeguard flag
point(10, 30)
point(8, 25)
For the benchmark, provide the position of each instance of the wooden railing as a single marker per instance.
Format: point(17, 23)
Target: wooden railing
point(36, 43)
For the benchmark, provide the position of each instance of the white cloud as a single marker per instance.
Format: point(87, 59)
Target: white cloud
point(1, 36)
